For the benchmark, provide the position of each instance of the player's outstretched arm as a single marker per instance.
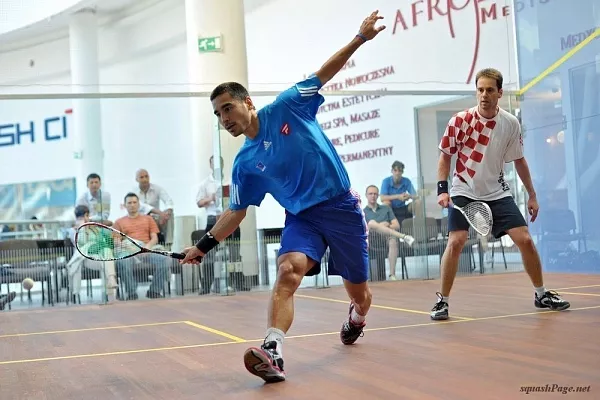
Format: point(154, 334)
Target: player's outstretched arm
point(227, 223)
point(367, 31)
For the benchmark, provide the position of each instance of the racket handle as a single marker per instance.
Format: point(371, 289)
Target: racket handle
point(181, 256)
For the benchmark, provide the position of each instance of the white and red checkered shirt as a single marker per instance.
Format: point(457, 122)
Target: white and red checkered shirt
point(483, 147)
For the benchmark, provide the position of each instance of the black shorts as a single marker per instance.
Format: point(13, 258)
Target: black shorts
point(505, 214)
point(402, 213)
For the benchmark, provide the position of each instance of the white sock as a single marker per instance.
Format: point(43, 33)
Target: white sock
point(540, 291)
point(277, 335)
point(356, 318)
point(445, 299)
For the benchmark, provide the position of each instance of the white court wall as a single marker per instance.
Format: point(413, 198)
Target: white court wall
point(418, 50)
point(143, 52)
point(147, 52)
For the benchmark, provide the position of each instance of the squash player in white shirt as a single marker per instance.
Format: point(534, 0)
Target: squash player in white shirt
point(484, 138)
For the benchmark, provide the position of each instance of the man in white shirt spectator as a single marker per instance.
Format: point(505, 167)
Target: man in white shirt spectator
point(152, 194)
point(96, 200)
point(209, 197)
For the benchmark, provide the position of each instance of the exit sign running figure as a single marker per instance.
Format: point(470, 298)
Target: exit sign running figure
point(210, 44)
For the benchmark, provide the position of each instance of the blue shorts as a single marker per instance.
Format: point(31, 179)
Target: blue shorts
point(337, 223)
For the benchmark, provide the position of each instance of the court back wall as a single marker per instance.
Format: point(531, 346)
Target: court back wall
point(419, 50)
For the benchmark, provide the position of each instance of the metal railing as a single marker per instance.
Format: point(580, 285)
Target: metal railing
point(34, 229)
point(61, 276)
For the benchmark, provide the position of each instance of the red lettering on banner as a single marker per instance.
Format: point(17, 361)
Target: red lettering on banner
point(447, 9)
point(337, 141)
point(335, 123)
point(363, 78)
point(367, 154)
point(359, 137)
point(335, 105)
point(364, 116)
point(356, 137)
point(347, 102)
point(349, 64)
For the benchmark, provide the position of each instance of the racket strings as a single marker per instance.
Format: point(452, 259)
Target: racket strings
point(479, 215)
point(103, 244)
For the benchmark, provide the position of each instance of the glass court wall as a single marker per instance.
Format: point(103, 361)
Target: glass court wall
point(370, 131)
point(559, 69)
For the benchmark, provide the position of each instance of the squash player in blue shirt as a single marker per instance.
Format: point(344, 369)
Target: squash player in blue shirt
point(287, 154)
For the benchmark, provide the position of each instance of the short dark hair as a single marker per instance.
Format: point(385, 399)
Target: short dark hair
point(93, 176)
point(130, 194)
point(492, 74)
point(398, 165)
point(81, 210)
point(235, 90)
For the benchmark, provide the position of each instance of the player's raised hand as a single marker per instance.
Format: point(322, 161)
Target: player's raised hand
point(368, 28)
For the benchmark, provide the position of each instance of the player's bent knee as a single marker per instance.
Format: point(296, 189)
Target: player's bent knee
point(457, 240)
point(527, 240)
point(523, 239)
point(286, 275)
point(292, 268)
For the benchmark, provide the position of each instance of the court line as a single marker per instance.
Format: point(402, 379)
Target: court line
point(373, 306)
point(576, 287)
point(559, 62)
point(386, 328)
point(216, 332)
point(582, 294)
point(113, 353)
point(535, 313)
point(102, 328)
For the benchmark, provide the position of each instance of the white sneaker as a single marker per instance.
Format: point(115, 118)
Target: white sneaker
point(409, 240)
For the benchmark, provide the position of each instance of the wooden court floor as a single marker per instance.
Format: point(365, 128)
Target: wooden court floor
point(495, 344)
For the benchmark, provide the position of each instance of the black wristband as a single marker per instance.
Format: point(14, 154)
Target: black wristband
point(442, 187)
point(207, 243)
point(363, 37)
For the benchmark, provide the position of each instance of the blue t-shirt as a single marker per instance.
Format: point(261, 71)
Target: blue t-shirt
point(290, 158)
point(388, 188)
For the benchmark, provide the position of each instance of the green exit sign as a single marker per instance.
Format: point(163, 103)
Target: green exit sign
point(210, 44)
